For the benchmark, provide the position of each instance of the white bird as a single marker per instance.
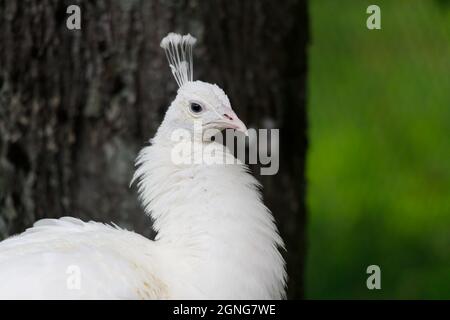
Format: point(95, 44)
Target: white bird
point(215, 237)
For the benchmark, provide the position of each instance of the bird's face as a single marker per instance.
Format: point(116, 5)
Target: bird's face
point(205, 103)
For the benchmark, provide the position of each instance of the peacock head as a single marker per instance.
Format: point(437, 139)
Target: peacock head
point(197, 103)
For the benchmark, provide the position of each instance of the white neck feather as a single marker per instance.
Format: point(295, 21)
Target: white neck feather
point(220, 239)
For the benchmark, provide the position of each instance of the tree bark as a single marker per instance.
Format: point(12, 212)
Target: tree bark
point(77, 105)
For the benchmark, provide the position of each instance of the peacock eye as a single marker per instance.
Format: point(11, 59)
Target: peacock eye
point(196, 108)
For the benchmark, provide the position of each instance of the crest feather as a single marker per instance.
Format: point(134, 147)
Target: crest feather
point(178, 50)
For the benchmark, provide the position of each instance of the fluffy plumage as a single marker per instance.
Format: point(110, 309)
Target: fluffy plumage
point(215, 238)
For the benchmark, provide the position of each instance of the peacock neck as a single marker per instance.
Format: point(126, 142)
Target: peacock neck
point(212, 217)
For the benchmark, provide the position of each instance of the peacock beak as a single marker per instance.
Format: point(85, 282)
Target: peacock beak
point(232, 121)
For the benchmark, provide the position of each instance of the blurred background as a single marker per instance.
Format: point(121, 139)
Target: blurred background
point(364, 118)
point(378, 166)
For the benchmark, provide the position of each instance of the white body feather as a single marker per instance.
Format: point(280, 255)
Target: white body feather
point(216, 240)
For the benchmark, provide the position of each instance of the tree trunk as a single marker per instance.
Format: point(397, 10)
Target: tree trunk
point(77, 105)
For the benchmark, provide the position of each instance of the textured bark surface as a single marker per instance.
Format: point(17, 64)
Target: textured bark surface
point(77, 105)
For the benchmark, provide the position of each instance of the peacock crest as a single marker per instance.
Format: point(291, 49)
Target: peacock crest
point(178, 50)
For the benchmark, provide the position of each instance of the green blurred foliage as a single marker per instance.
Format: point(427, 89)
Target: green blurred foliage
point(379, 158)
